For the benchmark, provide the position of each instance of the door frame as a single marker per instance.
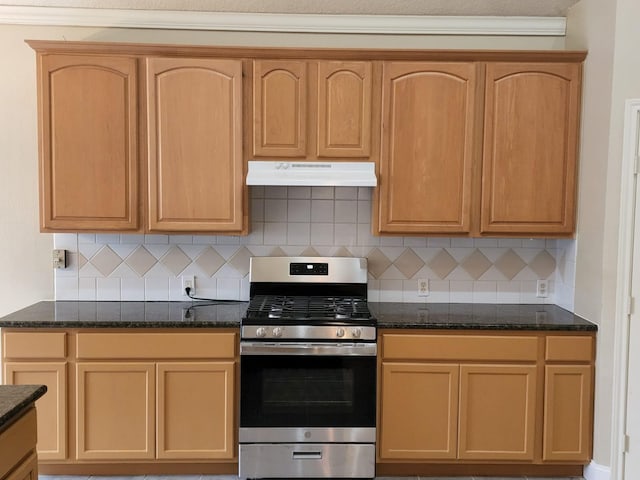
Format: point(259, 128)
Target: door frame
point(626, 241)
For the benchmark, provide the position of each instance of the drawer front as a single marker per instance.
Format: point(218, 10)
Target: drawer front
point(459, 347)
point(569, 349)
point(155, 345)
point(35, 345)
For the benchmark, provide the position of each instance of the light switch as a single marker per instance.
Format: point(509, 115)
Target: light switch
point(59, 258)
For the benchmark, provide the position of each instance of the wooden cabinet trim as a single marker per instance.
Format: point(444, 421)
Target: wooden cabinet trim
point(35, 345)
point(128, 48)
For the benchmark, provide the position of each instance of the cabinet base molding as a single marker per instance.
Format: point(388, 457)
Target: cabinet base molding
point(454, 470)
point(156, 468)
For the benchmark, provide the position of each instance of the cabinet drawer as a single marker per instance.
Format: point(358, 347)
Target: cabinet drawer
point(35, 345)
point(569, 348)
point(459, 348)
point(155, 345)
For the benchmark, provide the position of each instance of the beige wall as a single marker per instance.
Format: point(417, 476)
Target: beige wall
point(609, 30)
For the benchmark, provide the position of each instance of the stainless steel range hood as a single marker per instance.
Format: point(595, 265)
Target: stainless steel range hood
point(292, 173)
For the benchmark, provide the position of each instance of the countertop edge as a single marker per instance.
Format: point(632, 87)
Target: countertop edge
point(27, 394)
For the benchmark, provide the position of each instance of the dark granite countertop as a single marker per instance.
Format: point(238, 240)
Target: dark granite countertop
point(14, 398)
point(127, 315)
point(478, 316)
point(458, 316)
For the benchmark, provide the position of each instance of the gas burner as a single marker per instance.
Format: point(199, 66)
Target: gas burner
point(304, 308)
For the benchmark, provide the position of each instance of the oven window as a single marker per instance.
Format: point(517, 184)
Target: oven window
point(313, 391)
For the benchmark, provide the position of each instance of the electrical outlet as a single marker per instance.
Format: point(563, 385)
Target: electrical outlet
point(423, 287)
point(188, 281)
point(542, 289)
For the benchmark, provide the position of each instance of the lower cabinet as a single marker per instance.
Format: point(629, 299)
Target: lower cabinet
point(195, 410)
point(115, 411)
point(118, 396)
point(480, 398)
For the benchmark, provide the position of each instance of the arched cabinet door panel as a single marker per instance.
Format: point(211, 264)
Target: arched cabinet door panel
point(427, 152)
point(88, 143)
point(531, 125)
point(194, 118)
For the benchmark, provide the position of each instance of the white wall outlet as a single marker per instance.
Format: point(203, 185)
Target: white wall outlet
point(188, 281)
point(542, 289)
point(423, 287)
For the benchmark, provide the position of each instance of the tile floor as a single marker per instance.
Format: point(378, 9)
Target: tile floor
point(228, 477)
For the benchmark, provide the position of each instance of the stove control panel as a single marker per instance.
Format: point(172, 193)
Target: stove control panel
point(308, 332)
point(308, 268)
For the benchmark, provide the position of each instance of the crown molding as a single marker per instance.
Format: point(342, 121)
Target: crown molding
point(272, 22)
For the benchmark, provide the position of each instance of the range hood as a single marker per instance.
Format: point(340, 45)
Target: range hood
point(292, 173)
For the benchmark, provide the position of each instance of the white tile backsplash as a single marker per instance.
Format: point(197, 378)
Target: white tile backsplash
point(324, 221)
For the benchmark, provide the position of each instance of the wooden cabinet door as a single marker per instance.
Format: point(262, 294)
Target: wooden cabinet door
point(344, 109)
point(530, 148)
point(279, 108)
point(427, 152)
point(419, 411)
point(497, 412)
point(52, 407)
point(115, 411)
point(568, 411)
point(27, 470)
point(196, 414)
point(88, 143)
point(195, 145)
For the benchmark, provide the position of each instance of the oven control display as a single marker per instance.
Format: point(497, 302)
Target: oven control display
point(308, 269)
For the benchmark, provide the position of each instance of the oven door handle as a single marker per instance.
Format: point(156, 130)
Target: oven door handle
point(333, 349)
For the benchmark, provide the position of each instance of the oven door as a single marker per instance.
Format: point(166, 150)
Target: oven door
point(306, 392)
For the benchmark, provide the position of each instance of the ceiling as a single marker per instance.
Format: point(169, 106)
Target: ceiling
point(550, 8)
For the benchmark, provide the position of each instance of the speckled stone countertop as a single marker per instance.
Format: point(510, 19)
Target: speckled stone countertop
point(457, 316)
point(477, 316)
point(14, 398)
point(127, 315)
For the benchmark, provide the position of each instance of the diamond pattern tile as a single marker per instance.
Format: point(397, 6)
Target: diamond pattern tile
point(240, 261)
point(510, 264)
point(141, 261)
point(543, 264)
point(106, 261)
point(310, 252)
point(342, 252)
point(408, 263)
point(378, 262)
point(476, 264)
point(175, 260)
point(209, 261)
point(442, 264)
point(82, 260)
point(277, 252)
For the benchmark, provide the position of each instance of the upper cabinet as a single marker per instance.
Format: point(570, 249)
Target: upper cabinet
point(88, 143)
point(194, 130)
point(530, 148)
point(153, 138)
point(426, 162)
point(448, 168)
point(312, 109)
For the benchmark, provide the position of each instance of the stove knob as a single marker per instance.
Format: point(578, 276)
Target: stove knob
point(340, 332)
point(277, 332)
point(261, 332)
point(356, 332)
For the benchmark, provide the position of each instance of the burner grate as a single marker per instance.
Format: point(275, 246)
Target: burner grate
point(307, 308)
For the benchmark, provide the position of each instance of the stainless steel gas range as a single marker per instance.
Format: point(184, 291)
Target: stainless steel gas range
point(308, 370)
